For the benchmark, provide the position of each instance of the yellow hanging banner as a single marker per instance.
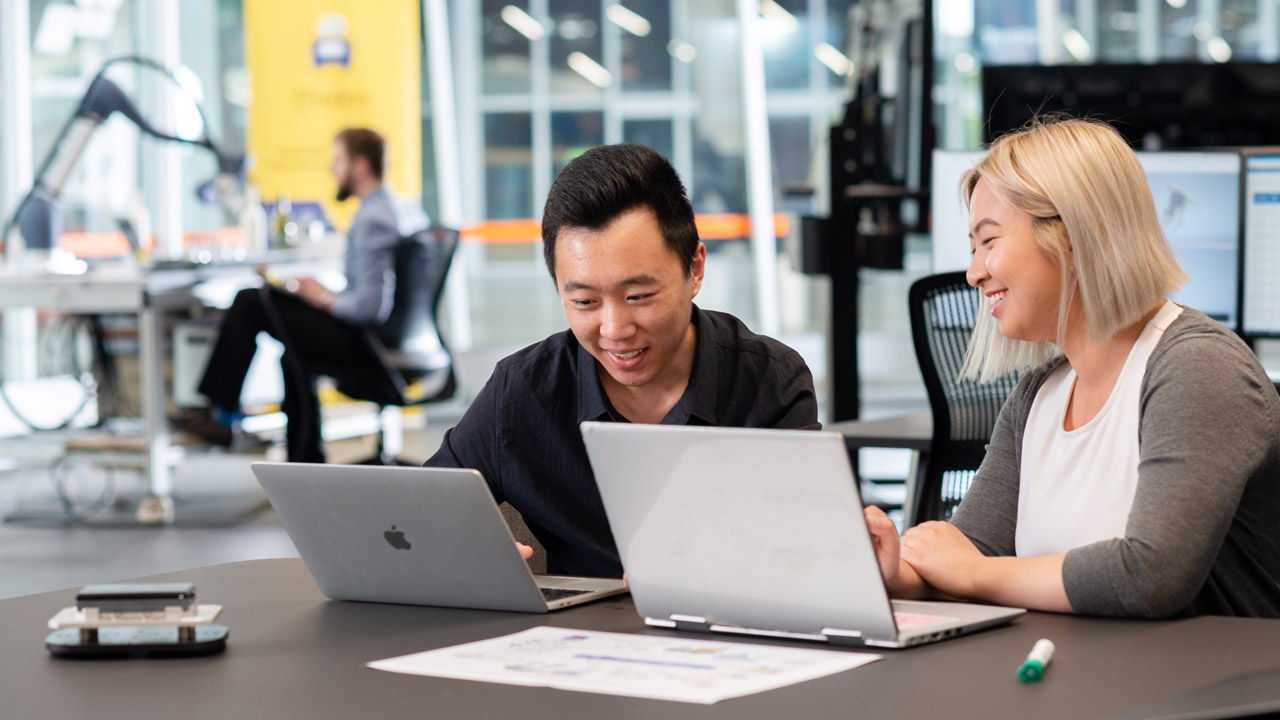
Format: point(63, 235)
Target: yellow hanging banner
point(318, 66)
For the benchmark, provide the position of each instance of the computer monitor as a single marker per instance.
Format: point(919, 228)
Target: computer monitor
point(1197, 197)
point(1161, 106)
point(1261, 291)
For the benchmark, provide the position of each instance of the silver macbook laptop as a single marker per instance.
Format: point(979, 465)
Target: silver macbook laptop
point(759, 532)
point(416, 536)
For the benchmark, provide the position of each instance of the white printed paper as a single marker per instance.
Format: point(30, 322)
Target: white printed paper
point(645, 666)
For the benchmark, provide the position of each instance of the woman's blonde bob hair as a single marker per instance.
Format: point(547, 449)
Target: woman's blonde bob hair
point(1093, 215)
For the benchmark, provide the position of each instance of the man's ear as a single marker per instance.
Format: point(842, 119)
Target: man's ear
point(360, 164)
point(698, 268)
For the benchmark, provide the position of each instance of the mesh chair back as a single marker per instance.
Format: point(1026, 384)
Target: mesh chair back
point(413, 364)
point(411, 335)
point(944, 309)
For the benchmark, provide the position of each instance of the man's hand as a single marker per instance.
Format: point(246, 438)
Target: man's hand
point(310, 289)
point(944, 557)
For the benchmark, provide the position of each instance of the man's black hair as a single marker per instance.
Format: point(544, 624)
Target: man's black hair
point(607, 181)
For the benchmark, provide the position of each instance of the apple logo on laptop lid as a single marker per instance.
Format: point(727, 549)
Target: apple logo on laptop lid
point(395, 538)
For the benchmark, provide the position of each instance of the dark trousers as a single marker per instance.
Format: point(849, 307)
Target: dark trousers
point(312, 339)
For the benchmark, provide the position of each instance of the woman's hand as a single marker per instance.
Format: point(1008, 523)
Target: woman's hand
point(939, 555)
point(943, 557)
point(885, 538)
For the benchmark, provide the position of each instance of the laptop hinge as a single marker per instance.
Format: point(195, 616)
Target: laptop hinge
point(695, 623)
point(839, 636)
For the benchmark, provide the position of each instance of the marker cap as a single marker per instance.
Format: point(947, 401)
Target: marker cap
point(1031, 671)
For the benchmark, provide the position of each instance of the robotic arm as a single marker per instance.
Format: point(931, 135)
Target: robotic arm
point(37, 216)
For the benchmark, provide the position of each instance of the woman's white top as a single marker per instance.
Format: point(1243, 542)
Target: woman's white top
point(1077, 486)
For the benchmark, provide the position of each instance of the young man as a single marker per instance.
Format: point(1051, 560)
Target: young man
point(620, 242)
point(319, 328)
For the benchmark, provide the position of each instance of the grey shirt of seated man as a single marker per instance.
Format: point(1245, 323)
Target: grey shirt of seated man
point(521, 432)
point(370, 257)
point(1203, 534)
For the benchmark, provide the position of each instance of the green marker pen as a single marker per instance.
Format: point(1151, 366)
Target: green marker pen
point(1033, 667)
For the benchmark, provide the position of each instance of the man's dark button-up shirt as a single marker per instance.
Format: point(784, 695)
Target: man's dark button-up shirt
point(521, 432)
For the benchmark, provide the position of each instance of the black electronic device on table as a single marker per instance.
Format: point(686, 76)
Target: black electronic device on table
point(136, 620)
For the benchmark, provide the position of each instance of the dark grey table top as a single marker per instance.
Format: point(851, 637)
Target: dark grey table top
point(914, 432)
point(293, 654)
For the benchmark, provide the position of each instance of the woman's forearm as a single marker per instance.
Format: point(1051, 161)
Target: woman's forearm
point(1034, 583)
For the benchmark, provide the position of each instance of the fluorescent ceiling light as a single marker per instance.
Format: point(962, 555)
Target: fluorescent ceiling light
point(682, 51)
point(56, 33)
point(1218, 49)
point(594, 72)
point(838, 62)
point(1177, 4)
point(1077, 45)
point(955, 17)
point(628, 20)
point(96, 23)
point(523, 23)
point(778, 16)
point(97, 18)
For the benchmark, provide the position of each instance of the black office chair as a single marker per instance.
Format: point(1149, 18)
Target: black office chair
point(410, 363)
point(943, 311)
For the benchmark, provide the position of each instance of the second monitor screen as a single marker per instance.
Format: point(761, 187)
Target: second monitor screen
point(1197, 197)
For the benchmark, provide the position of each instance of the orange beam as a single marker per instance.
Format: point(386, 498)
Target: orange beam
point(114, 244)
point(724, 226)
point(727, 226)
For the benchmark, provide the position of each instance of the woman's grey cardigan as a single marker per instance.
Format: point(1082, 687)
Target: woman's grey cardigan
point(1203, 535)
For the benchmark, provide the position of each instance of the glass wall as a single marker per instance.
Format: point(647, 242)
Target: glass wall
point(211, 54)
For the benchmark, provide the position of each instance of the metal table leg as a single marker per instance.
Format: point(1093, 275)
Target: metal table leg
point(158, 507)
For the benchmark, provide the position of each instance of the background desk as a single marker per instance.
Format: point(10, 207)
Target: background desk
point(292, 654)
point(120, 289)
point(150, 295)
point(909, 432)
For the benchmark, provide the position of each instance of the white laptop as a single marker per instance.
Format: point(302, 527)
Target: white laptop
point(416, 536)
point(759, 532)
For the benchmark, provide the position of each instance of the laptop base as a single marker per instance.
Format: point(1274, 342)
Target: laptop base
point(838, 637)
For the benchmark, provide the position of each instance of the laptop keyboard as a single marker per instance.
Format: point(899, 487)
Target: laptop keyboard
point(906, 621)
point(550, 594)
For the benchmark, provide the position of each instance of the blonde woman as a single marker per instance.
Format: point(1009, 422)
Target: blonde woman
point(1135, 470)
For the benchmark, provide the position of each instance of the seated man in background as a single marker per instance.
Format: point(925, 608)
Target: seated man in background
point(621, 245)
point(317, 326)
